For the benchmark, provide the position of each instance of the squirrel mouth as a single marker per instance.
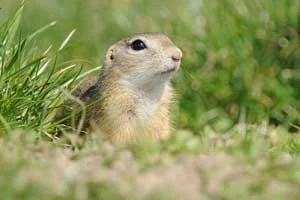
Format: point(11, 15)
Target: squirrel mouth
point(169, 70)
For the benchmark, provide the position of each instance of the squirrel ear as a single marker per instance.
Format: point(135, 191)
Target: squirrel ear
point(109, 57)
point(111, 54)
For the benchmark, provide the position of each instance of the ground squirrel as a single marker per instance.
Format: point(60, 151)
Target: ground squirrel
point(132, 95)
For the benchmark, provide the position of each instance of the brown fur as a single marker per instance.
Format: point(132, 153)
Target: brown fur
point(125, 111)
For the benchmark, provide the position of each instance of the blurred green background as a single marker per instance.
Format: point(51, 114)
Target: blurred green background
point(241, 60)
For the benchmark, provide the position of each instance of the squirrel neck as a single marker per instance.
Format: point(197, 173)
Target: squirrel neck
point(147, 97)
point(123, 97)
point(153, 93)
point(150, 92)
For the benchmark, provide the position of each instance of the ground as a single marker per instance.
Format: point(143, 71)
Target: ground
point(184, 167)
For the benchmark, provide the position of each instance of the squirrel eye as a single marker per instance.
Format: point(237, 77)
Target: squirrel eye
point(138, 45)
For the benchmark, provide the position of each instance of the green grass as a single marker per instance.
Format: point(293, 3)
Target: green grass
point(236, 116)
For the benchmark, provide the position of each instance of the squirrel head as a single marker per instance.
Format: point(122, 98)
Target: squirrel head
point(144, 59)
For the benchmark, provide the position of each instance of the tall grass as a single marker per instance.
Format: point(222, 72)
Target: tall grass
point(31, 79)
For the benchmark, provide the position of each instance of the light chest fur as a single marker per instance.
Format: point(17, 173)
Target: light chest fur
point(143, 113)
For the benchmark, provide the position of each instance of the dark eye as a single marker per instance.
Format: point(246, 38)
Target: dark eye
point(138, 45)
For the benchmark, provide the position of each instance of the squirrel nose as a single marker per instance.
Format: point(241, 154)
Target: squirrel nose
point(176, 55)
